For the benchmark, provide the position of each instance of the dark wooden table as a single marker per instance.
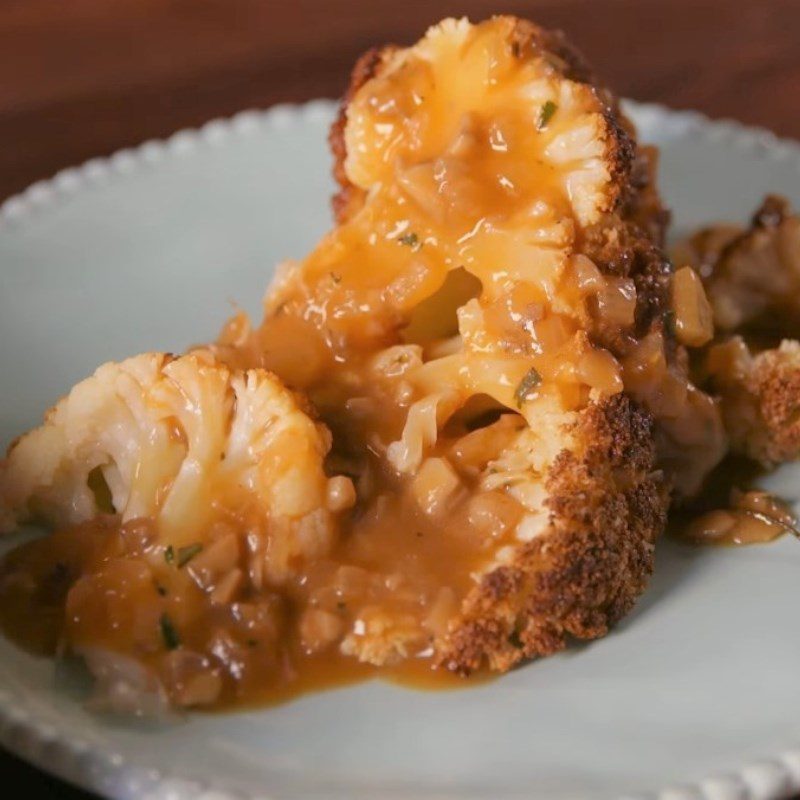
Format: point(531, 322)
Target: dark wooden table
point(86, 77)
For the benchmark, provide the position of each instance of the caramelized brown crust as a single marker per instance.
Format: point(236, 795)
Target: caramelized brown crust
point(607, 507)
point(775, 382)
point(760, 399)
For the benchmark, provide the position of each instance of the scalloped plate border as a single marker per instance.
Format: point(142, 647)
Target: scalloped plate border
point(108, 773)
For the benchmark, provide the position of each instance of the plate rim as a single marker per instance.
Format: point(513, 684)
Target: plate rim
point(74, 759)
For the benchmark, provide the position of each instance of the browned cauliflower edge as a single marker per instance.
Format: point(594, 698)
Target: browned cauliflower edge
point(607, 505)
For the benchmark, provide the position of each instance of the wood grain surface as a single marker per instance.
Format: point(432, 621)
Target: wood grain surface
point(86, 77)
point(82, 78)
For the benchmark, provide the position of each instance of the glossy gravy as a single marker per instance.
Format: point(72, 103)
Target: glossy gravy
point(411, 278)
point(754, 517)
point(404, 562)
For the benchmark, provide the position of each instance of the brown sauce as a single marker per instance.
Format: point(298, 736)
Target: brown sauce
point(754, 517)
point(44, 611)
point(731, 511)
point(440, 212)
point(399, 572)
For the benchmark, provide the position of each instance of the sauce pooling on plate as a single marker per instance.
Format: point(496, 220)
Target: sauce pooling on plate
point(754, 517)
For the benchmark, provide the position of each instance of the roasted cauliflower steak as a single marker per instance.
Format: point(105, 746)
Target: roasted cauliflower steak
point(499, 250)
point(452, 439)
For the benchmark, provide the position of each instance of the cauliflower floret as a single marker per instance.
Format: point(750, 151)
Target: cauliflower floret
point(752, 278)
point(454, 90)
point(181, 441)
point(486, 179)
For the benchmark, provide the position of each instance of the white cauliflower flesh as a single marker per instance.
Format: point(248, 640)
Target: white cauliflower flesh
point(181, 441)
point(432, 107)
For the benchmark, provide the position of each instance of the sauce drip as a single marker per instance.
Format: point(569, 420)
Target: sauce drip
point(754, 517)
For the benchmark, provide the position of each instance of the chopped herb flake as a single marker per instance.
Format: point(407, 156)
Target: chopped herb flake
point(161, 590)
point(341, 605)
point(169, 554)
point(186, 554)
point(168, 633)
point(252, 642)
point(410, 240)
point(526, 386)
point(546, 114)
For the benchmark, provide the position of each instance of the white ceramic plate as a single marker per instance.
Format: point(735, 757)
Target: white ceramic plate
point(144, 251)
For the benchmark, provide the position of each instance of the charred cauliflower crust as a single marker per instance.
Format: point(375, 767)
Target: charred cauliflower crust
point(775, 382)
point(607, 505)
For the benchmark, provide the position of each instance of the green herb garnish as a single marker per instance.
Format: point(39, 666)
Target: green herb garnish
point(169, 554)
point(526, 386)
point(186, 554)
point(161, 590)
point(546, 114)
point(410, 240)
point(168, 633)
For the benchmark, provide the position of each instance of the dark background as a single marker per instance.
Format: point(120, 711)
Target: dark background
point(82, 78)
